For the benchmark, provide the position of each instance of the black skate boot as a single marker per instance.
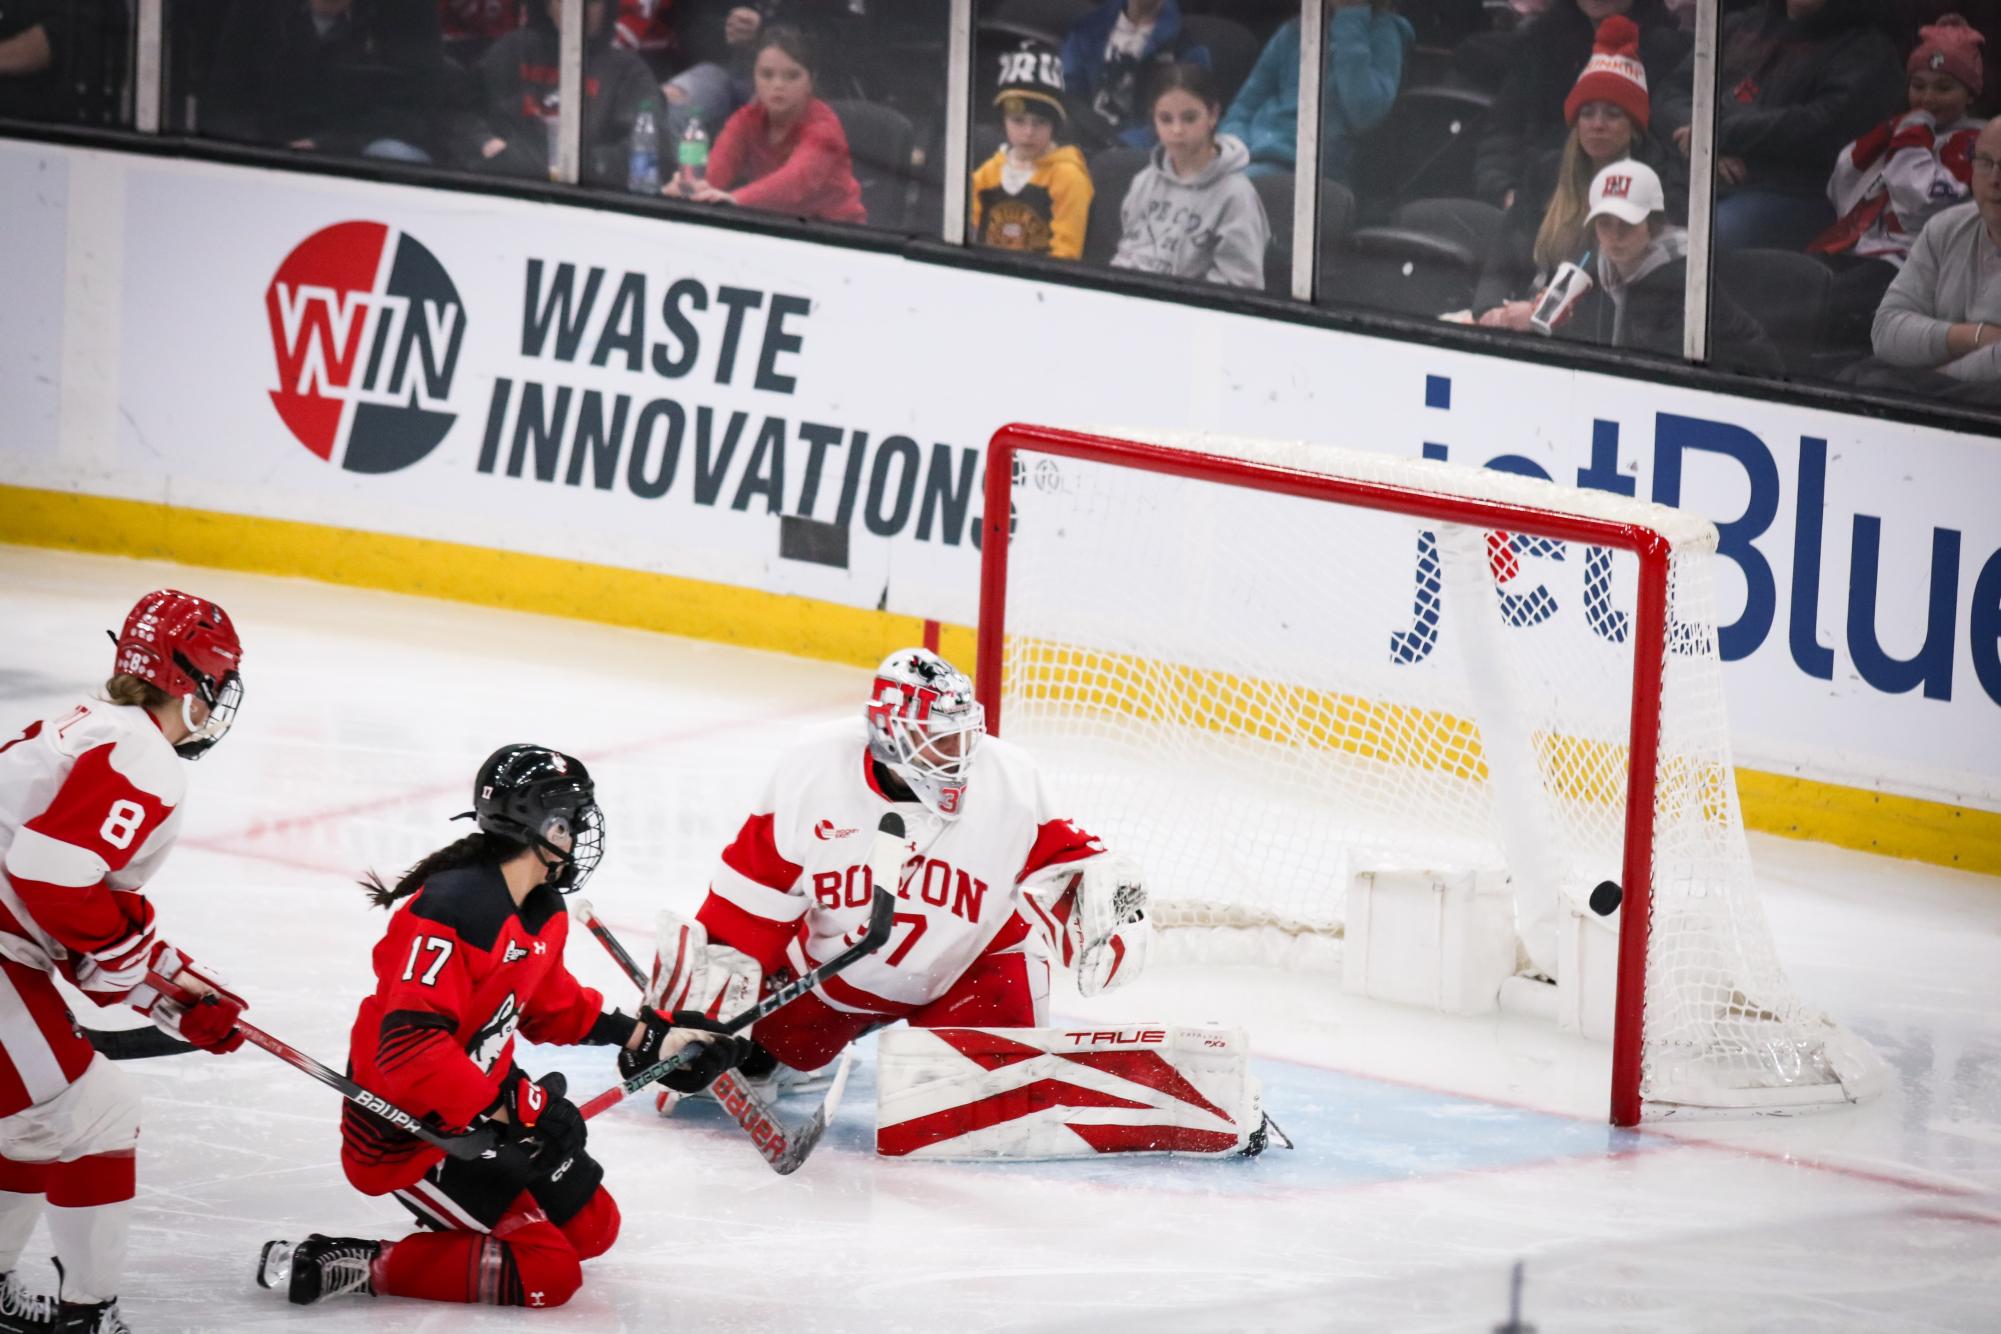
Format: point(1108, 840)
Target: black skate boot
point(90, 1318)
point(22, 1311)
point(319, 1267)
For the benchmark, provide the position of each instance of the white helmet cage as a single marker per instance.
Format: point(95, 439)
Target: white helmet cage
point(924, 726)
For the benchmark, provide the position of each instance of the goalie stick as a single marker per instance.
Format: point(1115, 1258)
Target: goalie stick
point(784, 1147)
point(885, 861)
point(472, 1143)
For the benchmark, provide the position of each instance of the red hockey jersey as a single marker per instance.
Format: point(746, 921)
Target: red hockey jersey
point(459, 971)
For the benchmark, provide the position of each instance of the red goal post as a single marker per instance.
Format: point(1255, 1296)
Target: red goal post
point(1510, 512)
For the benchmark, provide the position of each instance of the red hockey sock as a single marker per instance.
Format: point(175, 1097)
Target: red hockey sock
point(526, 1261)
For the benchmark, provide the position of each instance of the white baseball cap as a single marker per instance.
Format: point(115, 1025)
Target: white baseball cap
point(1630, 191)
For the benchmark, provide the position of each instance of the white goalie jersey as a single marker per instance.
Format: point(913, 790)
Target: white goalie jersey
point(795, 888)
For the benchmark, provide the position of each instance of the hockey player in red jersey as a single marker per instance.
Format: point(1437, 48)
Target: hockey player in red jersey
point(89, 808)
point(996, 883)
point(473, 953)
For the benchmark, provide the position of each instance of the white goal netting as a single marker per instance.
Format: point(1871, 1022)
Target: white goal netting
point(1257, 692)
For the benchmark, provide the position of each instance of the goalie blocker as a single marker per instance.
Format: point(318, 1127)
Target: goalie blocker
point(1044, 1093)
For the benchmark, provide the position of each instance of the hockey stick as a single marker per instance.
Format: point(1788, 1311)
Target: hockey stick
point(472, 1143)
point(134, 1044)
point(885, 862)
point(785, 1148)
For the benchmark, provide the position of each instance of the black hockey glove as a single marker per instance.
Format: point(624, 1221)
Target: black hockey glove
point(546, 1123)
point(713, 1055)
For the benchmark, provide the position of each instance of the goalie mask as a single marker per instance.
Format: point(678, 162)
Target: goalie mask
point(924, 726)
point(545, 799)
point(187, 647)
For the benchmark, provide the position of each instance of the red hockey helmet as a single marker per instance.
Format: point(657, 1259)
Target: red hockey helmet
point(187, 647)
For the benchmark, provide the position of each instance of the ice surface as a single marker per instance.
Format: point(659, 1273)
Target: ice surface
point(1433, 1152)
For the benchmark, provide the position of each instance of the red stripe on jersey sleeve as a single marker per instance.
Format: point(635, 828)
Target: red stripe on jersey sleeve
point(761, 938)
point(755, 856)
point(1056, 842)
point(99, 812)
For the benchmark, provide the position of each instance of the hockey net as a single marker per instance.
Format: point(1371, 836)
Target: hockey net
point(1260, 665)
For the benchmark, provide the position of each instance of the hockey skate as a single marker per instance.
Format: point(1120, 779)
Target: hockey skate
point(22, 1311)
point(89, 1318)
point(319, 1267)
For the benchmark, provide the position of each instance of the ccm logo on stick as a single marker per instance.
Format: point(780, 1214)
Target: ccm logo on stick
point(1137, 1035)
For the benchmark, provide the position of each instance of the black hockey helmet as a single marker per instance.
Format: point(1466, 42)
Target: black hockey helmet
point(544, 798)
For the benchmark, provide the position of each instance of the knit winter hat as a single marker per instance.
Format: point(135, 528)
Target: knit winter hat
point(1031, 80)
point(1950, 46)
point(1613, 74)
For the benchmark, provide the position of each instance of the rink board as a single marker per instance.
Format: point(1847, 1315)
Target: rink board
point(769, 443)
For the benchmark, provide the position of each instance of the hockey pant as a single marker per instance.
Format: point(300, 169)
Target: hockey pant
point(71, 1146)
point(1005, 990)
point(499, 1238)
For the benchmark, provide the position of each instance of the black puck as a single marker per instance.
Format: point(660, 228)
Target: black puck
point(1605, 899)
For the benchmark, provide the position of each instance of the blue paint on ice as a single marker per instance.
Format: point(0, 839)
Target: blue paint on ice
point(1350, 1131)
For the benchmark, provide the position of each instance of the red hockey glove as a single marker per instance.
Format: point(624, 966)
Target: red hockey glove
point(209, 1023)
point(112, 970)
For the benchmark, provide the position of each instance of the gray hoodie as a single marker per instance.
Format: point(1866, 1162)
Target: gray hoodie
point(1212, 227)
point(1669, 246)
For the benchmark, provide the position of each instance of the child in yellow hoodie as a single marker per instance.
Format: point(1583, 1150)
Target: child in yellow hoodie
point(1033, 195)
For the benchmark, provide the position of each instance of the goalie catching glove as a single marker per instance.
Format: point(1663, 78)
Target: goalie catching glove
point(1093, 914)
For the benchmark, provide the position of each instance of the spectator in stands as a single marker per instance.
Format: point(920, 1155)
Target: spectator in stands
point(1109, 57)
point(519, 80)
point(334, 76)
point(1637, 296)
point(1366, 42)
point(718, 40)
point(1608, 112)
point(1034, 195)
point(785, 151)
point(471, 26)
point(1888, 183)
point(1796, 79)
point(1545, 59)
point(1190, 212)
point(1940, 322)
point(47, 50)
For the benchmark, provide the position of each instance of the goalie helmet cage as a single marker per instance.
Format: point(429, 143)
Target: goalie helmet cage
point(1258, 665)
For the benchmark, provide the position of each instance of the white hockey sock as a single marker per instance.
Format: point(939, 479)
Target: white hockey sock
point(90, 1241)
point(18, 1213)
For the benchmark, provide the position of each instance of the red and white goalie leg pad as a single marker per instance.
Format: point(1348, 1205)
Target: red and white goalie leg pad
point(691, 974)
point(1043, 1093)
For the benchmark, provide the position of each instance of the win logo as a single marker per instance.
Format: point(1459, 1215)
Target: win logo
point(367, 327)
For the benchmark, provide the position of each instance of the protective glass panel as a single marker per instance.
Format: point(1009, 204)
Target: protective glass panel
point(824, 110)
point(1853, 183)
point(1469, 196)
point(67, 62)
point(332, 78)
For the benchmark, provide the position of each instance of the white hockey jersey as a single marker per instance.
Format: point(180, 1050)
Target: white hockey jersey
point(795, 886)
point(89, 807)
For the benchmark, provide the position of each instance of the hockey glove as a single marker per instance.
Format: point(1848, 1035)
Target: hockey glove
point(716, 1051)
point(1093, 914)
point(542, 1117)
point(209, 1023)
point(109, 972)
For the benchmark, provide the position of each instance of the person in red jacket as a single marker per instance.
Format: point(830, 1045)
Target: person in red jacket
point(90, 806)
point(473, 954)
point(785, 152)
